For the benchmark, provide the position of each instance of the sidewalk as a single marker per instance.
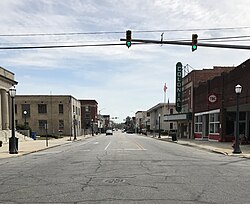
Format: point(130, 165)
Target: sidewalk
point(29, 146)
point(213, 146)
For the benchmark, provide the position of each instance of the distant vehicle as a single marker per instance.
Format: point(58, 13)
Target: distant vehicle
point(109, 132)
point(130, 131)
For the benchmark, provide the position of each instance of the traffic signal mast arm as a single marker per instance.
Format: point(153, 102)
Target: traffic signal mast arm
point(244, 47)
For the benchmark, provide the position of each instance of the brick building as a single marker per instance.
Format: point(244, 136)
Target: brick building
point(192, 80)
point(215, 105)
point(89, 116)
point(59, 114)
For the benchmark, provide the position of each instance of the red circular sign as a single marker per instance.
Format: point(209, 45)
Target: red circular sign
point(212, 98)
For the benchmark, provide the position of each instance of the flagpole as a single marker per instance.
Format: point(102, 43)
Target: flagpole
point(165, 92)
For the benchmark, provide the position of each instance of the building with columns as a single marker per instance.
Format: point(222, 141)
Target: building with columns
point(6, 82)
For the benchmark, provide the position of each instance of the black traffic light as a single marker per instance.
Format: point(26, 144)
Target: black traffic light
point(194, 42)
point(128, 38)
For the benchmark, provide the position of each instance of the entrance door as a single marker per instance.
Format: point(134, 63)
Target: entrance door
point(205, 126)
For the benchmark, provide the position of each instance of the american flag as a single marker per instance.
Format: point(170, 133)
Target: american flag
point(165, 88)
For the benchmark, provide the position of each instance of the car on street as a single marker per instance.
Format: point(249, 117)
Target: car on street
point(109, 132)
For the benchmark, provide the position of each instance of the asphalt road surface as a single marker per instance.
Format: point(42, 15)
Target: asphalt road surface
point(124, 168)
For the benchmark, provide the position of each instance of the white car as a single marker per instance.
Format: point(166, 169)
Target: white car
point(109, 132)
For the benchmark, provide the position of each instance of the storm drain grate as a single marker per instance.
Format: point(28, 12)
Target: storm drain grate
point(114, 180)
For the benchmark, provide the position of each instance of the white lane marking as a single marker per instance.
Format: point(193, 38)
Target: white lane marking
point(96, 142)
point(129, 149)
point(107, 146)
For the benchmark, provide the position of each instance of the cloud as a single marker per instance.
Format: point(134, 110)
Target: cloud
point(120, 79)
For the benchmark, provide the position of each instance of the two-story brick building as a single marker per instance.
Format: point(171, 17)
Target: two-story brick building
point(89, 116)
point(185, 119)
point(215, 105)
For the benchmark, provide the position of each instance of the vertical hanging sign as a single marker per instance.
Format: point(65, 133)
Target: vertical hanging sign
point(178, 94)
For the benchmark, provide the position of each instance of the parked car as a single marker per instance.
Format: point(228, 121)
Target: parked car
point(109, 132)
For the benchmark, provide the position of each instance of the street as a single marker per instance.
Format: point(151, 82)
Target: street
point(124, 168)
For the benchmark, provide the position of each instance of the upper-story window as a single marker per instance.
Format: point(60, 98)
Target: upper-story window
point(86, 108)
point(42, 108)
point(171, 111)
point(60, 108)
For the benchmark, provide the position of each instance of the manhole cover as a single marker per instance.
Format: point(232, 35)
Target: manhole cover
point(114, 180)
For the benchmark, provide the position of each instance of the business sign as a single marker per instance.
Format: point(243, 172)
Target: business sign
point(212, 98)
point(178, 94)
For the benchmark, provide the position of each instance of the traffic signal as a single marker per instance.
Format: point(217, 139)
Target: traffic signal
point(128, 38)
point(194, 42)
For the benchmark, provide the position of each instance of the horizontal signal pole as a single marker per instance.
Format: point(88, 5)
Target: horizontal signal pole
point(244, 47)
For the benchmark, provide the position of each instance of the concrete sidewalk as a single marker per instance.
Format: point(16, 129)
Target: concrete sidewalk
point(29, 146)
point(213, 146)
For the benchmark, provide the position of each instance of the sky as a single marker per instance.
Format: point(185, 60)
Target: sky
point(122, 81)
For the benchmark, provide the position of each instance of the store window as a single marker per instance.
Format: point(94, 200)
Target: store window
point(198, 123)
point(214, 123)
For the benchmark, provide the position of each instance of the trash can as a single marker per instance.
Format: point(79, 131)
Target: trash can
point(33, 135)
point(174, 138)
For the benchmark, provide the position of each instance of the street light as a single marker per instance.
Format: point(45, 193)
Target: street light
point(25, 117)
point(238, 89)
point(13, 140)
point(74, 122)
point(159, 126)
point(92, 127)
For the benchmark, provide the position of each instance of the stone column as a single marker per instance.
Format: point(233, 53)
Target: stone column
point(1, 127)
point(5, 109)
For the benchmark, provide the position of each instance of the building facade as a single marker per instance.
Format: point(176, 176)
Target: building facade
point(49, 114)
point(141, 121)
point(185, 118)
point(215, 106)
point(89, 118)
point(157, 117)
point(6, 82)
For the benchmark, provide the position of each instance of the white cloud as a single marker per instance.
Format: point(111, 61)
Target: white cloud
point(120, 79)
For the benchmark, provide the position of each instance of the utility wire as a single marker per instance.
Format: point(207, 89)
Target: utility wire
point(62, 46)
point(121, 32)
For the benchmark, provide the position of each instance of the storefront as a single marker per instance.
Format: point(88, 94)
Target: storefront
point(207, 125)
point(184, 124)
point(215, 106)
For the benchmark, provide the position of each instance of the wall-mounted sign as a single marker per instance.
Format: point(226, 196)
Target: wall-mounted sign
point(212, 98)
point(178, 94)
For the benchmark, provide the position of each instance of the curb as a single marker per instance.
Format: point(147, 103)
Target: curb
point(212, 149)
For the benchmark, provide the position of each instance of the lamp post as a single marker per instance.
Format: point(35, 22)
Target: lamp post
point(238, 89)
point(25, 118)
point(92, 127)
point(159, 125)
point(74, 123)
point(13, 140)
